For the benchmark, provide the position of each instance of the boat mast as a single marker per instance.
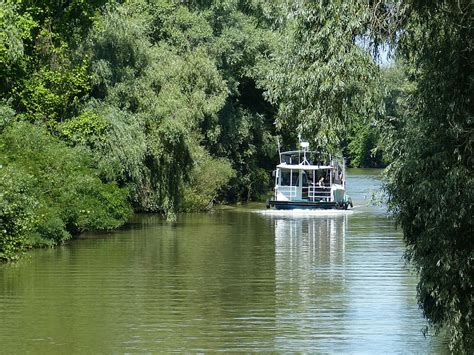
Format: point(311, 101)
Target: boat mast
point(299, 151)
point(279, 151)
point(343, 173)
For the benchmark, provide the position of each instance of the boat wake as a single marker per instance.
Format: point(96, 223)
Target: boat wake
point(304, 213)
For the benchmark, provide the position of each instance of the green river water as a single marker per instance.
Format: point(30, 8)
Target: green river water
point(237, 279)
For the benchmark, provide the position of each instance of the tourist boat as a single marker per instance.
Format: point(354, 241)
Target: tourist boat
point(308, 180)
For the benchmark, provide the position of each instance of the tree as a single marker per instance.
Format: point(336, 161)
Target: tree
point(243, 130)
point(322, 74)
point(150, 65)
point(430, 181)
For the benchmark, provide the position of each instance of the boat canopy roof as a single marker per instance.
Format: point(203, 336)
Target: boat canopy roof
point(304, 167)
point(311, 156)
point(294, 152)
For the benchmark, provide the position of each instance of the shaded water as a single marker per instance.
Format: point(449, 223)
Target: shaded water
point(236, 280)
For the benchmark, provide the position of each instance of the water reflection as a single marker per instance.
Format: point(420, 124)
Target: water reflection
point(310, 280)
point(340, 285)
point(309, 241)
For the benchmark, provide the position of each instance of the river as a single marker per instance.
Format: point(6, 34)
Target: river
point(237, 279)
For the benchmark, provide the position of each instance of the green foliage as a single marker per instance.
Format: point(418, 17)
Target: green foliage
point(69, 20)
point(117, 139)
point(208, 176)
point(364, 146)
point(51, 95)
point(142, 86)
point(49, 191)
point(179, 27)
point(246, 142)
point(119, 46)
point(7, 115)
point(322, 75)
point(17, 205)
point(164, 96)
point(15, 28)
point(86, 129)
point(41, 74)
point(430, 182)
point(242, 130)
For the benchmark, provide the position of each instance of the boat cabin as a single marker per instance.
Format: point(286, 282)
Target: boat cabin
point(299, 178)
point(310, 179)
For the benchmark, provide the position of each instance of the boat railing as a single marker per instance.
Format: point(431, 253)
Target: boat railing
point(317, 192)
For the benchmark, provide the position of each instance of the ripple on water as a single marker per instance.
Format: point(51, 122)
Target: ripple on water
point(324, 282)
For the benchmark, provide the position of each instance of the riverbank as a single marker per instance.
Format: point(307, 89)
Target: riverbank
point(36, 228)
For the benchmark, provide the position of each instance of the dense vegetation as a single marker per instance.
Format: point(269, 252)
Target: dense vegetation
point(153, 104)
point(169, 105)
point(325, 82)
point(430, 181)
point(109, 107)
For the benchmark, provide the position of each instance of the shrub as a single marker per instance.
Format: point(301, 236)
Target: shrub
point(50, 191)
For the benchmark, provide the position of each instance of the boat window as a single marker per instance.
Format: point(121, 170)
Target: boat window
point(284, 178)
point(295, 178)
point(286, 159)
point(305, 178)
point(322, 177)
point(309, 177)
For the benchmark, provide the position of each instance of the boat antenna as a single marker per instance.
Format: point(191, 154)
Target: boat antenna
point(305, 146)
point(279, 151)
point(299, 152)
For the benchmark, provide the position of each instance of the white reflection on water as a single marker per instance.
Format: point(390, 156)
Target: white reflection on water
point(310, 278)
point(341, 285)
point(304, 213)
point(309, 241)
